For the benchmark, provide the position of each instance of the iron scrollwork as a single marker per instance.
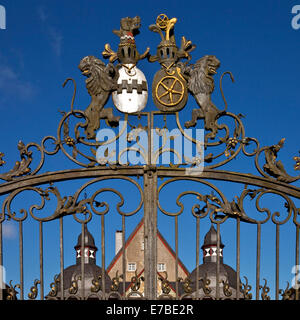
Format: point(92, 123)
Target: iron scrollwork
point(165, 286)
point(115, 282)
point(225, 139)
point(135, 285)
point(287, 293)
point(186, 285)
point(136, 282)
point(96, 287)
point(21, 167)
point(74, 284)
point(54, 286)
point(226, 288)
point(103, 80)
point(245, 289)
point(206, 285)
point(274, 167)
point(265, 290)
point(11, 291)
point(34, 290)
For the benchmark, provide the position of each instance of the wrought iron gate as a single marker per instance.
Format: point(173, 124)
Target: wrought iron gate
point(140, 150)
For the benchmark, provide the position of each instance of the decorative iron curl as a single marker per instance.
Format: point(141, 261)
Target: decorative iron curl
point(11, 291)
point(54, 286)
point(265, 290)
point(64, 138)
point(22, 167)
point(55, 142)
point(258, 194)
point(273, 168)
point(93, 202)
point(208, 208)
point(6, 207)
point(245, 288)
point(221, 88)
point(74, 92)
point(233, 144)
point(34, 290)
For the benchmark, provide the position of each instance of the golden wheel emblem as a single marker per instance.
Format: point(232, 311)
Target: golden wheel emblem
point(169, 91)
point(162, 21)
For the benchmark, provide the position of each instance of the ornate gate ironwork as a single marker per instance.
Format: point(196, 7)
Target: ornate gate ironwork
point(130, 149)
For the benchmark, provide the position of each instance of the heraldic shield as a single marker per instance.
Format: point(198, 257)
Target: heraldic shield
point(132, 90)
point(169, 89)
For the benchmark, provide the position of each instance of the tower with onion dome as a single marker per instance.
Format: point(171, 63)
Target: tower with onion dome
point(207, 271)
point(73, 286)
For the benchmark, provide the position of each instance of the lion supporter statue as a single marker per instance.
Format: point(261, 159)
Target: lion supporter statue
point(101, 81)
point(201, 85)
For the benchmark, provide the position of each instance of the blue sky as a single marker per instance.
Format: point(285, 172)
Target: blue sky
point(45, 40)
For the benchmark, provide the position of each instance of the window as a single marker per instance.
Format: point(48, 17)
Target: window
point(131, 266)
point(161, 267)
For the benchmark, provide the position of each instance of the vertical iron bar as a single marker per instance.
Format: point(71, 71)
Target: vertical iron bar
point(124, 257)
point(150, 137)
point(297, 263)
point(103, 255)
point(21, 260)
point(41, 260)
point(1, 262)
point(197, 255)
point(277, 263)
point(61, 251)
point(176, 255)
point(258, 241)
point(82, 260)
point(150, 220)
point(218, 263)
point(150, 234)
point(238, 258)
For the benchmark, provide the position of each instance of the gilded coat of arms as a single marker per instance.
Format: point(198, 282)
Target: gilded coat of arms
point(169, 87)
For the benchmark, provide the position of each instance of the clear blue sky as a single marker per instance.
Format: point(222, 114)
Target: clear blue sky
point(45, 40)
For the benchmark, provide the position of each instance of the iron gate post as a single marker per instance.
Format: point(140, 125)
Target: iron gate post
point(150, 232)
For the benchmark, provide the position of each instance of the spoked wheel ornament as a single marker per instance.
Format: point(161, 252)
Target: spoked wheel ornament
point(162, 21)
point(170, 91)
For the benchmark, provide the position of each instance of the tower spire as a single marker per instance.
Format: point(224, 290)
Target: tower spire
point(89, 247)
point(209, 246)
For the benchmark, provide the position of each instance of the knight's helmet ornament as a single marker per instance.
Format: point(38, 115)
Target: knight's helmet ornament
point(132, 88)
point(169, 87)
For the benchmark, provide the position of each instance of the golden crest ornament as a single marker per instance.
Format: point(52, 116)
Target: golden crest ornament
point(169, 86)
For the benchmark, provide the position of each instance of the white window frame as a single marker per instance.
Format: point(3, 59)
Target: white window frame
point(131, 266)
point(161, 267)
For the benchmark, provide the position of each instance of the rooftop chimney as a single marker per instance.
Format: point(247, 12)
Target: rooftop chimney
point(118, 240)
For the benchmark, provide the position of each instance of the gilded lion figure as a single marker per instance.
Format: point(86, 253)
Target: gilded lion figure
point(101, 81)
